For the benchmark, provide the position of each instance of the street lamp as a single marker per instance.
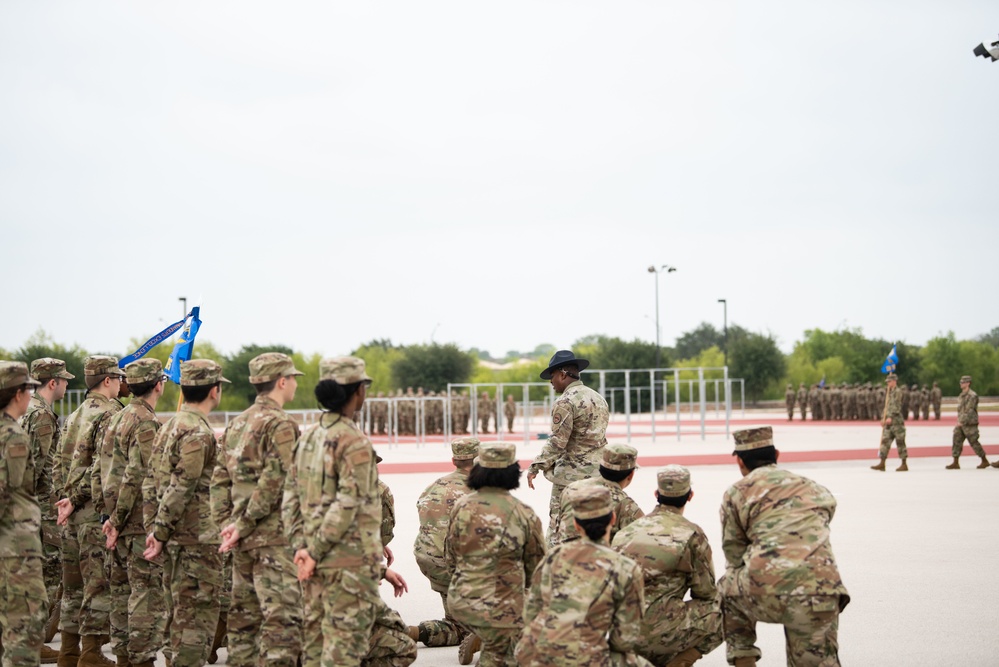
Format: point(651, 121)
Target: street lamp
point(652, 269)
point(724, 303)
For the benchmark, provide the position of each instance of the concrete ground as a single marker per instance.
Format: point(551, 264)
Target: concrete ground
point(918, 551)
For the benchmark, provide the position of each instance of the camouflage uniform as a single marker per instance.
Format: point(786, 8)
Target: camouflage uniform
point(914, 401)
point(896, 430)
point(936, 398)
point(575, 447)
point(509, 411)
point(803, 400)
point(138, 619)
point(483, 410)
point(618, 458)
point(42, 426)
point(494, 543)
point(789, 397)
point(780, 566)
point(585, 603)
point(183, 522)
point(815, 401)
point(434, 508)
point(675, 558)
point(332, 509)
point(146, 605)
point(264, 619)
point(967, 422)
point(86, 601)
point(23, 606)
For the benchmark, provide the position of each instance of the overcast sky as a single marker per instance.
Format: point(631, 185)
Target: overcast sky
point(497, 175)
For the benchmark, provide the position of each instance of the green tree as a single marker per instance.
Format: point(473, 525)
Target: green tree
point(757, 359)
point(432, 366)
point(990, 338)
point(379, 357)
point(693, 342)
point(941, 362)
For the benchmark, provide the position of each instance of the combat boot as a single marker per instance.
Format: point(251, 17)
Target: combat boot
point(52, 625)
point(219, 640)
point(954, 466)
point(880, 466)
point(902, 468)
point(49, 655)
point(685, 658)
point(147, 663)
point(995, 464)
point(123, 661)
point(984, 464)
point(91, 655)
point(745, 661)
point(466, 651)
point(69, 650)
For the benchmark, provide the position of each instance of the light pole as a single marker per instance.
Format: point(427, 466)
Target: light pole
point(724, 303)
point(652, 269)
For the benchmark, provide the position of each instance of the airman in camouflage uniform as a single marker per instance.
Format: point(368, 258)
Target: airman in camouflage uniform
point(617, 469)
point(332, 516)
point(86, 600)
point(924, 402)
point(434, 508)
point(904, 390)
point(138, 617)
point(802, 400)
point(780, 566)
point(789, 397)
point(675, 558)
point(42, 426)
point(967, 426)
point(914, 401)
point(485, 411)
point(585, 603)
point(183, 527)
point(893, 426)
point(23, 605)
point(494, 543)
point(264, 618)
point(814, 400)
point(936, 398)
point(579, 432)
point(509, 411)
point(387, 531)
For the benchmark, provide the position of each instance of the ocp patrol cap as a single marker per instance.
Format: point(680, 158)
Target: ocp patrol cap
point(590, 501)
point(464, 449)
point(757, 437)
point(15, 374)
point(48, 368)
point(200, 373)
point(143, 370)
point(271, 366)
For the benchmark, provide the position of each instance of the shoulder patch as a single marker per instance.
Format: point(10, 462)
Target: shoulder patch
point(18, 450)
point(145, 435)
point(359, 457)
point(285, 434)
point(45, 430)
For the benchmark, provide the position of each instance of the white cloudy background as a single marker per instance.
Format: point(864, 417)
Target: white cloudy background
point(496, 175)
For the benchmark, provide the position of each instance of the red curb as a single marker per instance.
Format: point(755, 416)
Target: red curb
point(717, 459)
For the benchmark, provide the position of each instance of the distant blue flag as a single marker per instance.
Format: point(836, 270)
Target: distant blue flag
point(822, 382)
point(151, 343)
point(184, 348)
point(891, 363)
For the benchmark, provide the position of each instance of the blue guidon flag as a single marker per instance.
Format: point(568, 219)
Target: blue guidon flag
point(891, 363)
point(184, 348)
point(152, 342)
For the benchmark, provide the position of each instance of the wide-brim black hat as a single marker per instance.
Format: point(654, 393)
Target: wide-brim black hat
point(562, 358)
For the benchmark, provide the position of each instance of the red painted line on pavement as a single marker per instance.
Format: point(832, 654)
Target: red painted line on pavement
point(870, 453)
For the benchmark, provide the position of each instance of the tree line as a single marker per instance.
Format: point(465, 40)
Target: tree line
point(839, 356)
